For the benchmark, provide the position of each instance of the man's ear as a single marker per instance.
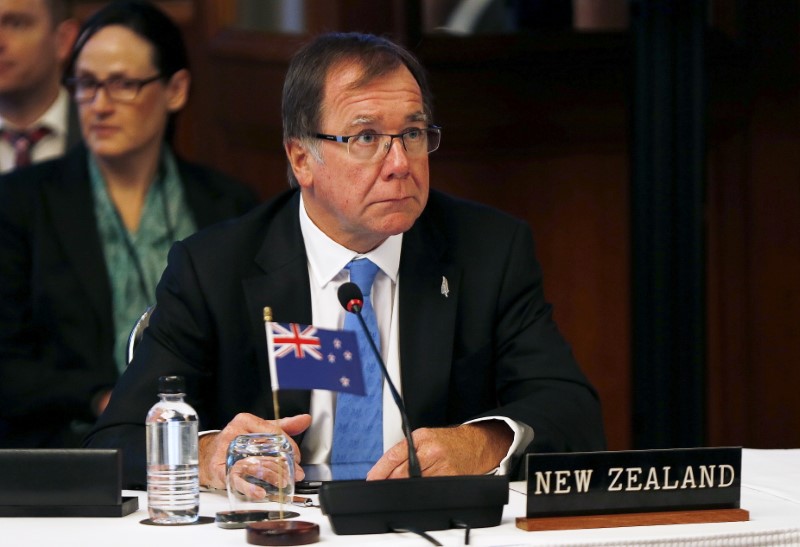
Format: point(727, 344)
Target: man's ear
point(66, 34)
point(300, 159)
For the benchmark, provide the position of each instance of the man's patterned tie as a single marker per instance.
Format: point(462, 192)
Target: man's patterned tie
point(358, 426)
point(23, 142)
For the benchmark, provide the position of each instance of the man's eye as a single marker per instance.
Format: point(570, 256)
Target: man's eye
point(366, 139)
point(413, 134)
point(16, 23)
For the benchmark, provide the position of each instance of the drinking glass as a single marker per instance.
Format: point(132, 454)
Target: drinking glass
point(259, 471)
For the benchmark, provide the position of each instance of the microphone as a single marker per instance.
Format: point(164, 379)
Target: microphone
point(417, 503)
point(352, 300)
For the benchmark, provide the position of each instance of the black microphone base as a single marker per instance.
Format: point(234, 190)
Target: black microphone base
point(424, 504)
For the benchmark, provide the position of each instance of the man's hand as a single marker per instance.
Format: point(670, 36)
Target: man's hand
point(471, 449)
point(213, 447)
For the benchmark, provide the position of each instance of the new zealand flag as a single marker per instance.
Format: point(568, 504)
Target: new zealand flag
point(306, 357)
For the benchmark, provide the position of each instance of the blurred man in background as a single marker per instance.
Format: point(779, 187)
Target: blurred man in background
point(37, 121)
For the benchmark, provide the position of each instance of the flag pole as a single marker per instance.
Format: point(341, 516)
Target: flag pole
point(267, 320)
point(275, 406)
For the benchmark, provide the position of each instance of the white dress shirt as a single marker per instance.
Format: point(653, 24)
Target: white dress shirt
point(326, 267)
point(52, 145)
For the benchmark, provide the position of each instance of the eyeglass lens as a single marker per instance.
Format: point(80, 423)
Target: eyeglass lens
point(118, 89)
point(368, 147)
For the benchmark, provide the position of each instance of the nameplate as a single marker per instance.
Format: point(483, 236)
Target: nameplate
point(633, 481)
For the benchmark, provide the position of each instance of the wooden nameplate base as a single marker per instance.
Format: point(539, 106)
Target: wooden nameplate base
point(702, 516)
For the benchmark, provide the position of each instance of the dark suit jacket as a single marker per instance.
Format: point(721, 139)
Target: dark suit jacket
point(488, 348)
point(56, 327)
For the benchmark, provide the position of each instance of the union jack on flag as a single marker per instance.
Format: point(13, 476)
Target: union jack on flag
point(307, 357)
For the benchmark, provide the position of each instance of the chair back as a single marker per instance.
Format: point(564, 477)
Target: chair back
point(138, 330)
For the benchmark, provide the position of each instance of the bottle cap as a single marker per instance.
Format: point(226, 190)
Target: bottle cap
point(171, 384)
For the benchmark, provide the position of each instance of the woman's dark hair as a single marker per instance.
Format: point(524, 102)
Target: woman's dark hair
point(147, 21)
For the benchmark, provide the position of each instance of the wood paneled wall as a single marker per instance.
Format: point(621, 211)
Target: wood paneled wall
point(754, 244)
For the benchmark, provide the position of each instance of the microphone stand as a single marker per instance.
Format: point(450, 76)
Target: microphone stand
point(413, 462)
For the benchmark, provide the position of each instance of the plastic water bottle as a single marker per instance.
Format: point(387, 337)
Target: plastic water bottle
point(173, 482)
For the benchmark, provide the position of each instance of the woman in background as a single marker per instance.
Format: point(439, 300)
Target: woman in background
point(84, 239)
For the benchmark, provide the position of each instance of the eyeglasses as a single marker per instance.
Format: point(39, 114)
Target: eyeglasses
point(371, 147)
point(118, 89)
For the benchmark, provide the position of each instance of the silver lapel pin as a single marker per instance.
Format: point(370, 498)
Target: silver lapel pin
point(445, 287)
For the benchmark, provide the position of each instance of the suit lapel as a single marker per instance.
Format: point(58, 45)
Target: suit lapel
point(280, 281)
point(427, 323)
point(69, 201)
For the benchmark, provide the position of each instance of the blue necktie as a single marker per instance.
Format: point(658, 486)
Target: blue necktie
point(358, 426)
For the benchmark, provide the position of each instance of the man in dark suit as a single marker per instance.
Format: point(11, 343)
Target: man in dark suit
point(458, 296)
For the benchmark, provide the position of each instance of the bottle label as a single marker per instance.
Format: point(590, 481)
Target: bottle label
point(172, 443)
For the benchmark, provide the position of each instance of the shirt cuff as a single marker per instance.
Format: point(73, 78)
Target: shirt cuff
point(204, 488)
point(523, 435)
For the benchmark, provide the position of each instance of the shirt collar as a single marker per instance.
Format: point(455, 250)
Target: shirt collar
point(326, 258)
point(55, 118)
